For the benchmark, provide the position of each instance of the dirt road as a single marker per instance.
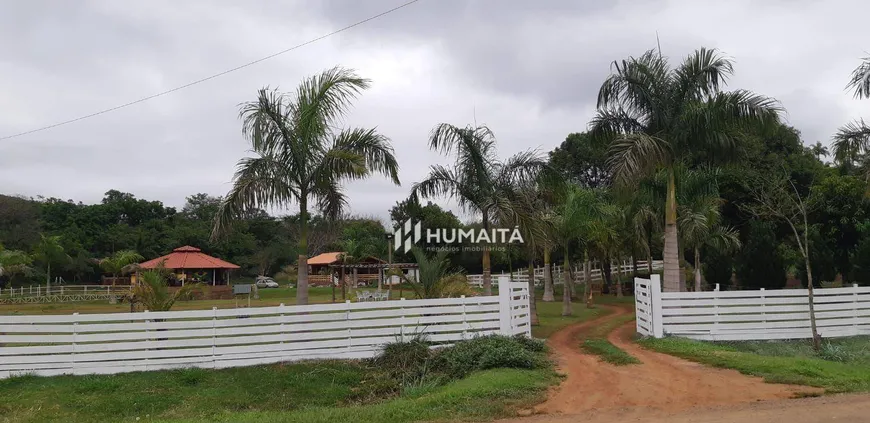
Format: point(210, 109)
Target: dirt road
point(666, 388)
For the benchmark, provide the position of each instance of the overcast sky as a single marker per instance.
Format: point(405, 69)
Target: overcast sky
point(529, 70)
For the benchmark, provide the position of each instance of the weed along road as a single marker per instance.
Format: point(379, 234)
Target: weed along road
point(664, 388)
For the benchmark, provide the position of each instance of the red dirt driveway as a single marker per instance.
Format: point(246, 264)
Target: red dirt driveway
point(668, 389)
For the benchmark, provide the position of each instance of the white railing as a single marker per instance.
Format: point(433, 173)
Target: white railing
point(60, 293)
point(124, 342)
point(756, 315)
point(578, 276)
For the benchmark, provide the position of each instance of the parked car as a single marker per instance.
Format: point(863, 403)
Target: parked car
point(264, 282)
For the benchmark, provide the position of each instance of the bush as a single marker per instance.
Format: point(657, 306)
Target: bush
point(834, 352)
point(408, 362)
point(488, 352)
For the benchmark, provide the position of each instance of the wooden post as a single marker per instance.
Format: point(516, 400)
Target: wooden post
point(855, 309)
point(347, 323)
point(402, 319)
point(213, 277)
point(464, 319)
point(656, 305)
point(504, 305)
point(214, 337)
point(763, 314)
point(74, 336)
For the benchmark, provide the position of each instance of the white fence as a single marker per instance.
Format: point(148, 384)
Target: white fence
point(60, 293)
point(578, 276)
point(123, 342)
point(751, 315)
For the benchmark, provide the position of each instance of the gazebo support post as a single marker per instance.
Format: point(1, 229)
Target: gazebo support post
point(213, 277)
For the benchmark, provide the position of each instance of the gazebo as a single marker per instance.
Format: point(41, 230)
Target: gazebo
point(190, 262)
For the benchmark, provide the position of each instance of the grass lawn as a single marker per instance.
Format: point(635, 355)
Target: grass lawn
point(595, 342)
point(550, 315)
point(843, 366)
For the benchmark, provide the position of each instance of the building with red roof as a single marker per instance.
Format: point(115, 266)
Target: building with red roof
point(191, 264)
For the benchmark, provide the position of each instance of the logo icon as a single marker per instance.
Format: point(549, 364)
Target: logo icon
point(410, 237)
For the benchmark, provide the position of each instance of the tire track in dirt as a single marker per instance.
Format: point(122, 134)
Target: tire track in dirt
point(661, 382)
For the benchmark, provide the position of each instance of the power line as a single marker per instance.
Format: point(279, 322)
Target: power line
point(208, 78)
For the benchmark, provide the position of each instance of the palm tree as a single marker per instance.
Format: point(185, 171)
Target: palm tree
point(121, 262)
point(436, 279)
point(152, 291)
point(655, 116)
point(819, 150)
point(583, 221)
point(300, 156)
point(50, 251)
point(700, 226)
point(478, 180)
point(355, 251)
point(852, 141)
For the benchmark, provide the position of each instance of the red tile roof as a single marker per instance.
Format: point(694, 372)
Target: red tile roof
point(325, 258)
point(188, 257)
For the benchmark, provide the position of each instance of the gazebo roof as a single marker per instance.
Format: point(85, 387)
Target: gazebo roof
point(188, 257)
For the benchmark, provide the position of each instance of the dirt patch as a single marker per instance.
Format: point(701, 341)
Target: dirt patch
point(662, 383)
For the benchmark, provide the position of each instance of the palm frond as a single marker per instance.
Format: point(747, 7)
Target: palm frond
point(259, 182)
point(609, 123)
point(636, 85)
point(636, 155)
point(374, 148)
point(702, 73)
point(860, 81)
point(447, 182)
point(851, 142)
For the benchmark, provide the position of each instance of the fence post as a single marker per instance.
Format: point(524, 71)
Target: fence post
point(214, 337)
point(281, 313)
point(855, 309)
point(75, 331)
point(347, 322)
point(763, 314)
point(655, 290)
point(464, 321)
point(61, 289)
point(148, 336)
point(31, 289)
point(86, 290)
point(715, 314)
point(402, 318)
point(504, 306)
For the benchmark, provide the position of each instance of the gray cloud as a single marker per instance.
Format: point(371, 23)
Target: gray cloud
point(528, 69)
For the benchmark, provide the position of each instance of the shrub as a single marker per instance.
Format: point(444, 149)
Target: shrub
point(834, 352)
point(406, 361)
point(488, 352)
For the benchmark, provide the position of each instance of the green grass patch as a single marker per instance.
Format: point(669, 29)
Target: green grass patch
point(595, 342)
point(551, 320)
point(776, 362)
point(608, 352)
point(484, 395)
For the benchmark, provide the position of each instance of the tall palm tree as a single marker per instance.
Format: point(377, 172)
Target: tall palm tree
point(302, 157)
point(700, 226)
point(585, 215)
point(48, 251)
point(852, 141)
point(121, 262)
point(819, 150)
point(477, 180)
point(655, 116)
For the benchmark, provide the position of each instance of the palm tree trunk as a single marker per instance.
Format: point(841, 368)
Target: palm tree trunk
point(302, 262)
point(671, 280)
point(533, 308)
point(817, 339)
point(548, 278)
point(697, 270)
point(649, 263)
point(567, 283)
point(587, 285)
point(48, 274)
point(618, 278)
point(332, 284)
point(487, 276)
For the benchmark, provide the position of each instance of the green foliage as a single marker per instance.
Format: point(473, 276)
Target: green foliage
point(791, 362)
point(153, 293)
point(581, 161)
point(436, 278)
point(488, 352)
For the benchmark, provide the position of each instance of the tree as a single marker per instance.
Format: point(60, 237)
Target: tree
point(478, 180)
point(585, 213)
point(819, 150)
point(852, 141)
point(152, 291)
point(582, 161)
point(300, 157)
point(778, 198)
point(13, 262)
point(437, 279)
point(121, 262)
point(655, 116)
point(50, 251)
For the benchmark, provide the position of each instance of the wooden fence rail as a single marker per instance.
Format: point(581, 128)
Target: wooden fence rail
point(752, 315)
point(123, 342)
